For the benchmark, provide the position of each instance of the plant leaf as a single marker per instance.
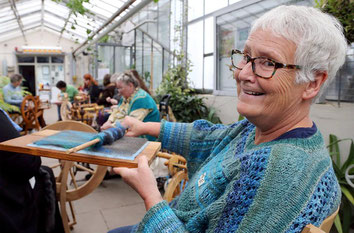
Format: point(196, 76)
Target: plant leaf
point(346, 216)
point(347, 193)
point(334, 148)
point(338, 224)
point(340, 175)
point(350, 159)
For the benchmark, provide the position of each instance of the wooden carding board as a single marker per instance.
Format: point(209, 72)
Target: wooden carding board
point(20, 145)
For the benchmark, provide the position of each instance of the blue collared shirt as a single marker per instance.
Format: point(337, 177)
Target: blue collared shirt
point(12, 95)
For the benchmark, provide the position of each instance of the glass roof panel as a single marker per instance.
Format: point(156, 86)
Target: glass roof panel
point(56, 16)
point(56, 9)
point(31, 19)
point(24, 8)
point(9, 26)
point(53, 19)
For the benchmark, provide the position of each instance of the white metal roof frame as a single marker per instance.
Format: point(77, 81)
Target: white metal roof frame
point(19, 17)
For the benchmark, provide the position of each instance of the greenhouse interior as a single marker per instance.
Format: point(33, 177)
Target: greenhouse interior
point(103, 68)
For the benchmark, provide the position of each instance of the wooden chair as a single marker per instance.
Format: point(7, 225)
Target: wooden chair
point(64, 193)
point(325, 226)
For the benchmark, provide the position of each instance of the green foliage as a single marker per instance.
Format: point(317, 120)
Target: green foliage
point(147, 78)
point(77, 7)
point(186, 105)
point(343, 10)
point(104, 39)
point(345, 218)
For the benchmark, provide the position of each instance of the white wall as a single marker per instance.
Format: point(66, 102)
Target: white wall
point(36, 38)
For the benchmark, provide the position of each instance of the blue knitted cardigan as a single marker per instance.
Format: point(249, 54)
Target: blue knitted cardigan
point(237, 186)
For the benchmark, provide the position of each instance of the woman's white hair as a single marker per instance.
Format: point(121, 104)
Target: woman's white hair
point(321, 45)
point(126, 77)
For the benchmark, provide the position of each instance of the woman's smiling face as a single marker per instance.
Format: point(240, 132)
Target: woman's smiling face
point(268, 101)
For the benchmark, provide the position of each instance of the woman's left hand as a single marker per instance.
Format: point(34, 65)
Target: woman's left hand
point(142, 180)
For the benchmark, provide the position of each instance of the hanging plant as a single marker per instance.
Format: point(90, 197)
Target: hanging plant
point(77, 7)
point(343, 10)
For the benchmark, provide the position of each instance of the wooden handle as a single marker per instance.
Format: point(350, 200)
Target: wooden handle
point(163, 155)
point(82, 146)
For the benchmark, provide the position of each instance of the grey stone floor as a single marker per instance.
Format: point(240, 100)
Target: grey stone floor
point(115, 204)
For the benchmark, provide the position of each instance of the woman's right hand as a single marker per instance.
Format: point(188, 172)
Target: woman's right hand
point(134, 127)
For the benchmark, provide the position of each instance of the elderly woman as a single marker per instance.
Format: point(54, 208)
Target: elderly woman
point(12, 91)
point(270, 172)
point(136, 102)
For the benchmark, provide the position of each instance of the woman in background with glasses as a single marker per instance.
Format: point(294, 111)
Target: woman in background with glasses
point(270, 172)
point(136, 102)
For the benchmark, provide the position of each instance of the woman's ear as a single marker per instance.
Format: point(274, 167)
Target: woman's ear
point(313, 87)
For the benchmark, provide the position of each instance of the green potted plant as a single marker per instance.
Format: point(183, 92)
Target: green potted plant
point(186, 105)
point(345, 218)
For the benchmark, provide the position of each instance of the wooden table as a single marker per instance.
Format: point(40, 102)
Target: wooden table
point(20, 145)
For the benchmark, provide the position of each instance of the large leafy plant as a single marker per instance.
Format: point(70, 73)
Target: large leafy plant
point(187, 106)
point(345, 219)
point(343, 10)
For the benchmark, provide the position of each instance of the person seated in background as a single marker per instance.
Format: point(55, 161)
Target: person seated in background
point(91, 88)
point(70, 90)
point(12, 91)
point(270, 172)
point(135, 101)
point(108, 91)
point(115, 99)
point(28, 190)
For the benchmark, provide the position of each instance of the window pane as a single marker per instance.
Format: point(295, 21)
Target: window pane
point(209, 72)
point(139, 52)
point(146, 75)
point(43, 59)
point(157, 71)
point(105, 58)
point(212, 5)
point(164, 22)
point(209, 35)
point(57, 59)
point(25, 59)
point(122, 59)
point(195, 53)
point(195, 9)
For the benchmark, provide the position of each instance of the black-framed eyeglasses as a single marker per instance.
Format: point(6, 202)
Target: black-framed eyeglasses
point(261, 66)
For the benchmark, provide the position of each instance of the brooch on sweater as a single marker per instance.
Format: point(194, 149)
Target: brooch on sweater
point(201, 179)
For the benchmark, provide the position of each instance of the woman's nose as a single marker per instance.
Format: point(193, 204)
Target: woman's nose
point(246, 74)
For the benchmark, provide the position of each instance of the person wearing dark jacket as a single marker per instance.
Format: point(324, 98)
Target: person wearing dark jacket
point(27, 189)
point(108, 91)
point(92, 88)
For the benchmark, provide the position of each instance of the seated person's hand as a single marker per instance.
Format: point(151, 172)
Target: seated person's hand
point(114, 101)
point(108, 124)
point(134, 127)
point(142, 180)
